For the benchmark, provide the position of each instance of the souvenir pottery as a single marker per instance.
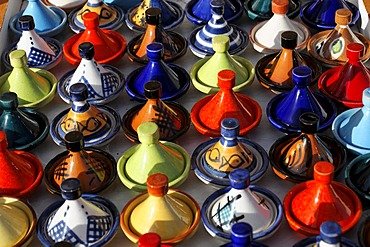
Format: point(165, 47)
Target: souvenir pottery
point(110, 16)
point(357, 176)
point(329, 47)
point(94, 168)
point(66, 5)
point(260, 10)
point(320, 15)
point(172, 14)
point(213, 160)
point(109, 45)
point(17, 222)
point(351, 127)
point(293, 156)
point(49, 21)
point(204, 72)
point(330, 235)
point(265, 36)
point(87, 220)
point(34, 87)
point(44, 53)
point(242, 235)
point(311, 203)
point(63, 244)
point(364, 8)
point(24, 128)
point(104, 82)
point(199, 12)
point(242, 202)
point(283, 111)
point(274, 71)
point(174, 44)
point(172, 119)
point(151, 239)
point(152, 156)
point(98, 124)
point(364, 229)
point(177, 212)
point(207, 114)
point(345, 84)
point(21, 172)
point(175, 80)
point(200, 39)
point(125, 5)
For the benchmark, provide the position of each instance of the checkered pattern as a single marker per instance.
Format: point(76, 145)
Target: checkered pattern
point(223, 215)
point(57, 234)
point(38, 57)
point(97, 227)
point(110, 83)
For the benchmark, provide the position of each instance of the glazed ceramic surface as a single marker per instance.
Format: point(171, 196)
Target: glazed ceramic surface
point(242, 202)
point(364, 9)
point(151, 239)
point(242, 235)
point(152, 156)
point(364, 231)
point(261, 10)
point(125, 5)
point(66, 5)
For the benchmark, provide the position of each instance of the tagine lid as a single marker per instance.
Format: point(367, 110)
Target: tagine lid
point(364, 229)
point(109, 45)
point(242, 234)
point(49, 20)
point(184, 218)
point(98, 123)
point(293, 156)
point(260, 10)
point(95, 168)
point(104, 82)
point(309, 204)
point(90, 219)
point(350, 127)
point(17, 222)
point(25, 128)
point(21, 171)
point(207, 113)
point(242, 202)
point(66, 5)
point(162, 157)
point(204, 72)
point(213, 160)
point(151, 239)
point(173, 119)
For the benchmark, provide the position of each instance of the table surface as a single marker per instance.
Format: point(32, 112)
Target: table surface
point(264, 134)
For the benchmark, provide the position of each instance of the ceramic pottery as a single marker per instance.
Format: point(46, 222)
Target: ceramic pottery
point(283, 111)
point(87, 220)
point(66, 5)
point(213, 160)
point(309, 204)
point(200, 39)
point(24, 128)
point(242, 202)
point(345, 84)
point(98, 124)
point(204, 72)
point(364, 229)
point(177, 212)
point(63, 244)
point(151, 239)
point(125, 5)
point(320, 15)
point(260, 10)
point(104, 82)
point(109, 45)
point(351, 127)
point(364, 9)
point(274, 71)
point(49, 21)
point(17, 222)
point(265, 36)
point(357, 176)
point(207, 114)
point(330, 47)
point(293, 156)
point(199, 12)
point(21, 172)
point(242, 235)
point(174, 44)
point(110, 16)
point(94, 168)
point(175, 80)
point(330, 235)
point(34, 87)
point(44, 53)
point(172, 14)
point(172, 119)
point(152, 156)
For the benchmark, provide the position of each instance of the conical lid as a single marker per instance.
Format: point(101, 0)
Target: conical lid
point(221, 60)
point(160, 212)
point(225, 104)
point(67, 3)
point(152, 156)
point(358, 176)
point(108, 15)
point(28, 85)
